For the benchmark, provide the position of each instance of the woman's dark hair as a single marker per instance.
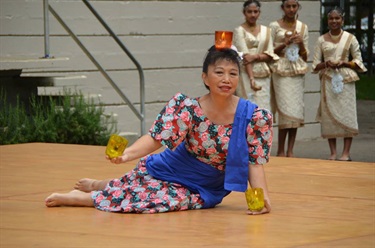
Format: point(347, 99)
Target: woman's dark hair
point(337, 9)
point(214, 55)
point(247, 3)
point(283, 2)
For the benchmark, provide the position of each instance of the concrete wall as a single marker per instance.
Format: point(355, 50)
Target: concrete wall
point(168, 38)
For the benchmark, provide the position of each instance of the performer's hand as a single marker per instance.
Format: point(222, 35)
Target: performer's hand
point(332, 64)
point(119, 159)
point(253, 85)
point(249, 58)
point(297, 39)
point(265, 210)
point(341, 64)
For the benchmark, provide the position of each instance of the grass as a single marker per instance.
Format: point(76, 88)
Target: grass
point(366, 87)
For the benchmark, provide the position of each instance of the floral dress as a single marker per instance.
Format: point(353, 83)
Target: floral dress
point(182, 119)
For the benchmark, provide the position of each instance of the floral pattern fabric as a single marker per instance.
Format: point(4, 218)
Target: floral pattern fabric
point(182, 119)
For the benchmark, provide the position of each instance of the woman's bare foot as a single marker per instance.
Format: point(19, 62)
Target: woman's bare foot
point(332, 157)
point(73, 198)
point(87, 184)
point(345, 158)
point(290, 154)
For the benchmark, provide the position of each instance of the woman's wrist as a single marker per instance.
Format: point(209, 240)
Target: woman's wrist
point(303, 52)
point(352, 65)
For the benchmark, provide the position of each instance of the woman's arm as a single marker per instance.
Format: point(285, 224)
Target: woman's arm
point(142, 147)
point(257, 179)
point(260, 130)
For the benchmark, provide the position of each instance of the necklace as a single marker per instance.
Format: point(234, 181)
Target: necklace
point(335, 37)
point(251, 28)
point(288, 23)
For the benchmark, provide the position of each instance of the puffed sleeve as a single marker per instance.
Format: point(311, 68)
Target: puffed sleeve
point(239, 40)
point(273, 26)
point(356, 54)
point(306, 39)
point(173, 122)
point(318, 54)
point(259, 136)
point(270, 48)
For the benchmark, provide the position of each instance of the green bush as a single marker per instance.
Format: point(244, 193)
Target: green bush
point(73, 120)
point(365, 87)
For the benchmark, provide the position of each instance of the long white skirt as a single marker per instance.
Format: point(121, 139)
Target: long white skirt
point(338, 112)
point(289, 100)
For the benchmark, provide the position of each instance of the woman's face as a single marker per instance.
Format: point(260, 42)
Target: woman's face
point(335, 21)
point(251, 13)
point(290, 8)
point(222, 77)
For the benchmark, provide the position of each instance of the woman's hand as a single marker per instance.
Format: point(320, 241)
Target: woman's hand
point(119, 159)
point(297, 39)
point(253, 85)
point(265, 210)
point(249, 58)
point(334, 64)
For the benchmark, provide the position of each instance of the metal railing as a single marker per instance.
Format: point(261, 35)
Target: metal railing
point(48, 8)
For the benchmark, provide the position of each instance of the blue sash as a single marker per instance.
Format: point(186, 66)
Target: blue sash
point(237, 166)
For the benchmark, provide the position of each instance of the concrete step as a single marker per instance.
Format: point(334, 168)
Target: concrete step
point(31, 63)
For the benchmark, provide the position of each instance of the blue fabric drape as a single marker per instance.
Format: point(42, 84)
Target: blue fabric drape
point(180, 167)
point(237, 167)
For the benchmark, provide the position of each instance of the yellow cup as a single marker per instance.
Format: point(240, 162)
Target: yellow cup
point(116, 146)
point(255, 199)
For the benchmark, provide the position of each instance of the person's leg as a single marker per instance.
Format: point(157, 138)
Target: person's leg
point(292, 134)
point(87, 184)
point(73, 198)
point(281, 142)
point(332, 147)
point(346, 150)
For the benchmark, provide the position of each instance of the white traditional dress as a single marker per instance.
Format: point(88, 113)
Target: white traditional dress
point(246, 42)
point(337, 112)
point(288, 78)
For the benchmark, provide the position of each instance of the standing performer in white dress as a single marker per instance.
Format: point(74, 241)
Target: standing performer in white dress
point(255, 42)
point(337, 112)
point(290, 38)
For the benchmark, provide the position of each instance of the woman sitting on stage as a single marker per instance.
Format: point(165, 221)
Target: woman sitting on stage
point(216, 143)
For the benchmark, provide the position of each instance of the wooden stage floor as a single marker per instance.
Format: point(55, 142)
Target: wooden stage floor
point(315, 203)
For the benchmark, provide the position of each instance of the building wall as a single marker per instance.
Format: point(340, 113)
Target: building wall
point(168, 38)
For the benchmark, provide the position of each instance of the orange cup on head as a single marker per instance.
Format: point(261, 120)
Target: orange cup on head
point(223, 39)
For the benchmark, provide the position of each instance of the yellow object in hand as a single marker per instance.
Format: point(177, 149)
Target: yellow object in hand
point(255, 199)
point(116, 146)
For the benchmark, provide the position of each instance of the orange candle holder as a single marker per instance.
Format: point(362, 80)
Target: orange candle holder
point(116, 146)
point(255, 199)
point(223, 39)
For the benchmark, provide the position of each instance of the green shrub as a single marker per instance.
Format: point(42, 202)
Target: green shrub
point(73, 120)
point(365, 87)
